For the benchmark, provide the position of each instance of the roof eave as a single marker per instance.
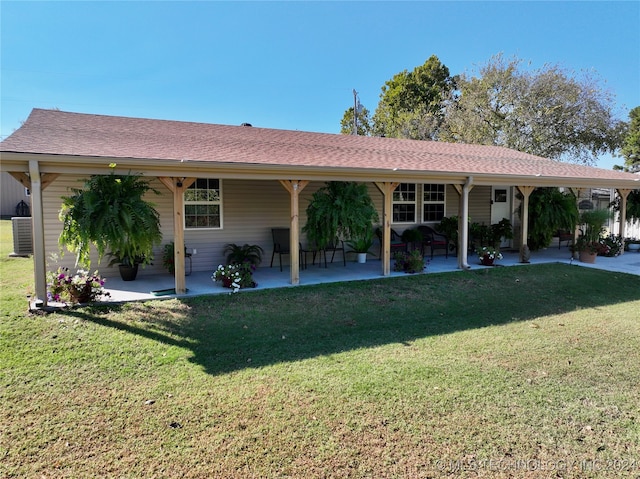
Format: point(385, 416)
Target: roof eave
point(88, 165)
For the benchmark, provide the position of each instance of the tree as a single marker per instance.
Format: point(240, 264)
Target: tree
point(545, 112)
point(631, 152)
point(412, 103)
point(631, 145)
point(364, 122)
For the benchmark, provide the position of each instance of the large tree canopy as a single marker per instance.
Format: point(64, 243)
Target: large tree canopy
point(411, 104)
point(364, 122)
point(544, 112)
point(631, 145)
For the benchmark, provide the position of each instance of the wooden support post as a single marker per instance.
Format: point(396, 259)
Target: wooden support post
point(45, 179)
point(177, 187)
point(37, 219)
point(294, 187)
point(524, 230)
point(386, 188)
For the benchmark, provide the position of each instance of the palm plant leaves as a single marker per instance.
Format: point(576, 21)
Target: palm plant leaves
point(246, 253)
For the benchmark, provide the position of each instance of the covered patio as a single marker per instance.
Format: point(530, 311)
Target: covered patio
point(221, 184)
point(200, 283)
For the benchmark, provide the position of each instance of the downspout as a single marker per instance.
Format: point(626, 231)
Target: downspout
point(464, 213)
point(37, 218)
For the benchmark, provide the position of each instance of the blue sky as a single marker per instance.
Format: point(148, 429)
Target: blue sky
point(290, 65)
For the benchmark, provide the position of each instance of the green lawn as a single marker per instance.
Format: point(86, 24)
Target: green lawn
point(510, 372)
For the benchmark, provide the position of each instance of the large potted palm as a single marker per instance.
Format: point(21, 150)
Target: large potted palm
point(111, 214)
point(592, 226)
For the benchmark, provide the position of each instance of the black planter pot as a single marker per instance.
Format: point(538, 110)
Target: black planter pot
point(127, 272)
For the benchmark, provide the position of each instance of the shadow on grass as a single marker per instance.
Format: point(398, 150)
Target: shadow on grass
point(230, 333)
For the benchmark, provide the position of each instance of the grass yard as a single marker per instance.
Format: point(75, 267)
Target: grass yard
point(521, 372)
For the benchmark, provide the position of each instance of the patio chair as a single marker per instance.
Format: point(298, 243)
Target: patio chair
point(564, 236)
point(335, 245)
point(396, 242)
point(434, 240)
point(282, 245)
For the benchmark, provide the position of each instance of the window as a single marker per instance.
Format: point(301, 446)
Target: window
point(404, 203)
point(433, 203)
point(203, 204)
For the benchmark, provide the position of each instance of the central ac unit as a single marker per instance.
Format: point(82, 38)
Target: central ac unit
point(22, 236)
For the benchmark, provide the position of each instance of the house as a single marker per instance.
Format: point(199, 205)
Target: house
point(223, 184)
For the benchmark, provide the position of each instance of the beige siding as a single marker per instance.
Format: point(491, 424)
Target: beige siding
point(480, 205)
point(250, 208)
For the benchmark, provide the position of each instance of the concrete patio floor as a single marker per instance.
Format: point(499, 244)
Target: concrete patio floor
point(200, 283)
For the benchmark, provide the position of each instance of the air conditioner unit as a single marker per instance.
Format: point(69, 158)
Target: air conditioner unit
point(22, 236)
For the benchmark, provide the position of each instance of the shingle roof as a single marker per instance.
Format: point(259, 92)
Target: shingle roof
point(85, 135)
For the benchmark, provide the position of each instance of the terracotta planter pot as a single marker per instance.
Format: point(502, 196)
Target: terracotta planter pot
point(587, 257)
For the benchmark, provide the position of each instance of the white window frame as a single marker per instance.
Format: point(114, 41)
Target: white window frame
point(397, 199)
point(431, 202)
point(217, 202)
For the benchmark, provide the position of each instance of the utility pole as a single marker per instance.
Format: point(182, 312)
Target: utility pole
point(355, 112)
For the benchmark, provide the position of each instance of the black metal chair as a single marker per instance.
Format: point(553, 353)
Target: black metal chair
point(282, 245)
point(433, 240)
point(396, 242)
point(564, 236)
point(333, 246)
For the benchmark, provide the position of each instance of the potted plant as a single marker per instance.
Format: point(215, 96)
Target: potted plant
point(550, 210)
point(247, 253)
point(127, 265)
point(631, 244)
point(588, 243)
point(81, 287)
point(409, 262)
point(168, 257)
point(362, 244)
point(111, 214)
point(449, 227)
point(340, 209)
point(235, 276)
point(413, 237)
point(488, 255)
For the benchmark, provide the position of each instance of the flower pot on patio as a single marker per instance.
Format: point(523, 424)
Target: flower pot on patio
point(362, 258)
point(588, 257)
point(128, 272)
point(487, 260)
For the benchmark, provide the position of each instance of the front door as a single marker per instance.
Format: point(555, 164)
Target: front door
point(501, 207)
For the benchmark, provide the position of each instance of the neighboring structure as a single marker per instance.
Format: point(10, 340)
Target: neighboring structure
point(223, 184)
point(13, 197)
